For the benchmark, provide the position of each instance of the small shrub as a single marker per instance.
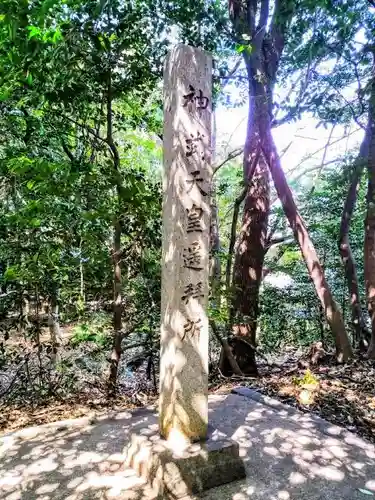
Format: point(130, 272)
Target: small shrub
point(94, 330)
point(307, 379)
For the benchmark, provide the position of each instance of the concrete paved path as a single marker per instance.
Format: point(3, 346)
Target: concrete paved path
point(288, 455)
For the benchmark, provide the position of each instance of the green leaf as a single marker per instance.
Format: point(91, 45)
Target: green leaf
point(12, 27)
point(4, 94)
point(35, 222)
point(57, 36)
point(10, 274)
point(244, 48)
point(366, 492)
point(34, 32)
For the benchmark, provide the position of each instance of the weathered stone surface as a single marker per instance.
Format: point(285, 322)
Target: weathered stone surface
point(173, 474)
point(185, 255)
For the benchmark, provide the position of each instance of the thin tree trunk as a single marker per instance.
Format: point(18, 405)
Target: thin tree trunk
point(370, 222)
point(81, 287)
point(81, 277)
point(226, 351)
point(215, 271)
point(215, 263)
point(331, 310)
point(116, 253)
point(37, 319)
point(343, 304)
point(360, 330)
point(53, 322)
point(117, 311)
point(321, 310)
point(321, 323)
point(26, 310)
point(20, 320)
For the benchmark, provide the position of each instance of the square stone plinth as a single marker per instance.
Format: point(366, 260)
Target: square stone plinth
point(172, 474)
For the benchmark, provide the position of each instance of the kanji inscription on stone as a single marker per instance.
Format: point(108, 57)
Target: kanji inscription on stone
point(194, 219)
point(183, 410)
point(198, 181)
point(192, 329)
point(192, 256)
point(193, 145)
point(192, 291)
point(194, 99)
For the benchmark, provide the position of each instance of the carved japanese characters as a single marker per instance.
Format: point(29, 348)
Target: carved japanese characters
point(185, 264)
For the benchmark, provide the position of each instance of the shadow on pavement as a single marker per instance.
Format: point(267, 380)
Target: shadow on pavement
point(285, 453)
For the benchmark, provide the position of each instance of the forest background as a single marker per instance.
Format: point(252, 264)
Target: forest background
point(293, 219)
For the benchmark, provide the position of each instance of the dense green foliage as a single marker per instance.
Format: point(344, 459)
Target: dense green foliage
point(80, 154)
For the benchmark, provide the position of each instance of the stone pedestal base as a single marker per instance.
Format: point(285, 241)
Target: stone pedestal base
point(172, 474)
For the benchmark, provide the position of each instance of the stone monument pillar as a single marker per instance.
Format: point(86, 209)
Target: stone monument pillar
point(172, 464)
point(183, 413)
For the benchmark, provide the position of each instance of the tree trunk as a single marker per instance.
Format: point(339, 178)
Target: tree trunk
point(226, 355)
point(117, 311)
point(266, 32)
point(37, 319)
point(331, 309)
point(250, 252)
point(215, 270)
point(370, 223)
point(26, 310)
point(53, 322)
point(215, 263)
point(321, 324)
point(360, 330)
point(251, 242)
point(20, 315)
point(81, 281)
point(116, 254)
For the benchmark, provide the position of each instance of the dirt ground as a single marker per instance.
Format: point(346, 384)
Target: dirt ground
point(342, 394)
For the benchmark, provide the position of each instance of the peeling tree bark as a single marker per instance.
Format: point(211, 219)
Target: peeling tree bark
point(251, 18)
point(233, 232)
point(251, 247)
point(360, 330)
point(251, 241)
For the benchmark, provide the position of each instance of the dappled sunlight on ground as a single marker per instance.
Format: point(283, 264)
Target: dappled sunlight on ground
point(288, 455)
point(78, 461)
point(292, 455)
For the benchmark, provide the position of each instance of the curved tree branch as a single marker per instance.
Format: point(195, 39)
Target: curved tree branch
point(233, 154)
